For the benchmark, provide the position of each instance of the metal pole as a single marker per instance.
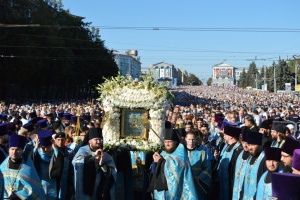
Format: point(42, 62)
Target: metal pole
point(256, 80)
point(274, 79)
point(265, 72)
point(296, 65)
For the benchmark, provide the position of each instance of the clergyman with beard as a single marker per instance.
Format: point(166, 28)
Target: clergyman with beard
point(272, 157)
point(171, 171)
point(287, 153)
point(95, 171)
point(255, 167)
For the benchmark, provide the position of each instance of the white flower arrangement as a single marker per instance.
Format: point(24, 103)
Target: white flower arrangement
point(130, 144)
point(123, 92)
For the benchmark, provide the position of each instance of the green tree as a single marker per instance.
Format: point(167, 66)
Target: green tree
point(193, 80)
point(283, 75)
point(209, 81)
point(242, 82)
point(63, 57)
point(291, 65)
point(251, 75)
point(270, 76)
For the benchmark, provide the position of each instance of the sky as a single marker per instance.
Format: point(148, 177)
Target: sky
point(195, 35)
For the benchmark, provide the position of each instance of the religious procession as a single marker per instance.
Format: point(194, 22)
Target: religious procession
point(135, 143)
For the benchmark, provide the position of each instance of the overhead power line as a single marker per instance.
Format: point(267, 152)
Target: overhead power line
point(202, 29)
point(157, 50)
point(154, 28)
point(35, 26)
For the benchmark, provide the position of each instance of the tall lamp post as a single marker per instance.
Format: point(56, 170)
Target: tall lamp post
point(274, 79)
point(296, 70)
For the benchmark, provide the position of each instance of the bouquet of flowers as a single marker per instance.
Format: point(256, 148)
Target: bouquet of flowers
point(131, 144)
point(123, 92)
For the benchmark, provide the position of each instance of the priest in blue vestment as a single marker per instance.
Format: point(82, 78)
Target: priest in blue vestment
point(171, 171)
point(272, 157)
point(240, 165)
point(201, 166)
point(228, 160)
point(18, 177)
point(95, 171)
point(42, 155)
point(255, 166)
point(61, 167)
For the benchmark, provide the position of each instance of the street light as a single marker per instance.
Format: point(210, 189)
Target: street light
point(296, 69)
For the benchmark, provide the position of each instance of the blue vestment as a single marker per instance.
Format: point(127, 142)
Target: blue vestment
point(275, 144)
point(66, 177)
point(43, 161)
point(264, 190)
point(3, 153)
point(25, 182)
point(240, 169)
point(208, 152)
point(29, 147)
point(72, 146)
point(223, 171)
point(201, 168)
point(78, 163)
point(178, 173)
point(250, 182)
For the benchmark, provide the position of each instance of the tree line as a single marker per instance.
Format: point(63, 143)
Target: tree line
point(283, 71)
point(46, 52)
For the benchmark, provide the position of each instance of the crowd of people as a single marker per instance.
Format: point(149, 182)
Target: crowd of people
point(41, 154)
point(219, 143)
point(250, 139)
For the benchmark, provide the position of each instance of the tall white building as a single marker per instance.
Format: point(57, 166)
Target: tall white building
point(129, 63)
point(223, 75)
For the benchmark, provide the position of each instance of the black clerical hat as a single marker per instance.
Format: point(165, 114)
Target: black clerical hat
point(94, 133)
point(254, 138)
point(290, 145)
point(232, 131)
point(171, 134)
point(272, 153)
point(280, 128)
